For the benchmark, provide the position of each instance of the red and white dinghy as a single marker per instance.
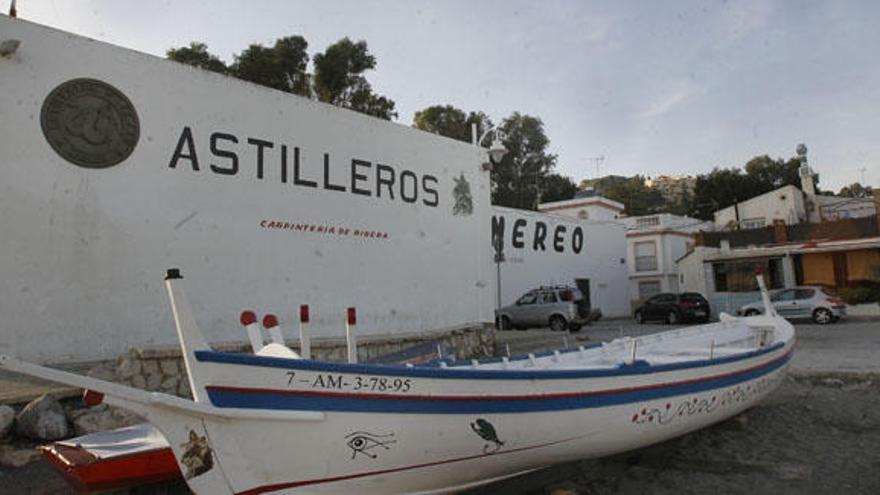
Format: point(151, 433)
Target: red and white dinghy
point(275, 423)
point(113, 460)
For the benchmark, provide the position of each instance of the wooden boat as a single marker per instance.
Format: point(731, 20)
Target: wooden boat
point(114, 460)
point(264, 424)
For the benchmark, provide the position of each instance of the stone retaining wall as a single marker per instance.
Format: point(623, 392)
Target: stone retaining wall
point(161, 368)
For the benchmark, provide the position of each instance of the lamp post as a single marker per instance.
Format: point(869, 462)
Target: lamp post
point(496, 154)
point(496, 149)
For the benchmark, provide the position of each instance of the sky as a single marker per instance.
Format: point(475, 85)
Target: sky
point(672, 87)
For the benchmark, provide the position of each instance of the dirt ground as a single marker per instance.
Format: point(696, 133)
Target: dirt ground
point(812, 436)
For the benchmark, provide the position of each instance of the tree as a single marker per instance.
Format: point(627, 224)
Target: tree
point(555, 187)
point(339, 79)
point(197, 55)
point(282, 66)
point(338, 71)
point(637, 198)
point(856, 190)
point(516, 180)
point(770, 174)
point(450, 122)
point(719, 189)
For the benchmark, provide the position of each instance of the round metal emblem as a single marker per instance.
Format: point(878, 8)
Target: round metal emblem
point(90, 123)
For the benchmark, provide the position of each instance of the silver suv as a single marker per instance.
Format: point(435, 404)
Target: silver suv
point(801, 302)
point(559, 307)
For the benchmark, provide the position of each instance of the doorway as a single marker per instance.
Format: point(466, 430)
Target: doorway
point(583, 285)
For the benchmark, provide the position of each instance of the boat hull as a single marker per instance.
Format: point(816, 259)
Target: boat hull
point(380, 451)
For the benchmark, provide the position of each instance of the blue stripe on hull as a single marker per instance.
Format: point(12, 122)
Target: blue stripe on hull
point(352, 403)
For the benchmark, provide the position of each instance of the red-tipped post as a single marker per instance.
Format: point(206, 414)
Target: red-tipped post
point(350, 337)
point(248, 319)
point(270, 323)
point(305, 340)
point(92, 398)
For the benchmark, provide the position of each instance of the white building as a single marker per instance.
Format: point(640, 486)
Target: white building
point(792, 205)
point(117, 165)
point(653, 244)
point(786, 203)
point(838, 207)
point(592, 207)
point(546, 249)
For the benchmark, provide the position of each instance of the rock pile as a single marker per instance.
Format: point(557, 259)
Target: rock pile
point(7, 417)
point(42, 419)
point(45, 420)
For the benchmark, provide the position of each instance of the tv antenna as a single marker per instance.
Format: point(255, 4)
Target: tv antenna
point(597, 161)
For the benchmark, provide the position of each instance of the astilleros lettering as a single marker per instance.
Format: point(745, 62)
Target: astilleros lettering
point(274, 161)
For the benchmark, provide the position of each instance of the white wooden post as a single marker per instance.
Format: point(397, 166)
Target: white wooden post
point(249, 321)
point(350, 337)
point(305, 340)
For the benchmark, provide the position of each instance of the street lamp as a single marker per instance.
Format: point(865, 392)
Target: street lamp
point(496, 154)
point(496, 149)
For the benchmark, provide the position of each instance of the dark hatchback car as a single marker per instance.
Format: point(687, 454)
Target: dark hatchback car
point(674, 308)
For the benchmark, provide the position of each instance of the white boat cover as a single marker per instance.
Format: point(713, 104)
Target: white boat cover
point(143, 437)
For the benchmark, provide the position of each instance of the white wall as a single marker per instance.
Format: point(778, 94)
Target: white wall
point(785, 203)
point(598, 259)
point(591, 208)
point(84, 250)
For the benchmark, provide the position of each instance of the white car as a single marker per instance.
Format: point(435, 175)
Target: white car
point(801, 302)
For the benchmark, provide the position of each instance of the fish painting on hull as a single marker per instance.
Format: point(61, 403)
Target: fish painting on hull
point(487, 432)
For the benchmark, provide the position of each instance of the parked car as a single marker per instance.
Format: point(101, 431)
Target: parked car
point(817, 303)
point(560, 307)
point(674, 308)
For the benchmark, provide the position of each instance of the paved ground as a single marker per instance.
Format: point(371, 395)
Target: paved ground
point(814, 435)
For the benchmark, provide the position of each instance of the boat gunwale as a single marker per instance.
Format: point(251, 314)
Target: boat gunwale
point(622, 369)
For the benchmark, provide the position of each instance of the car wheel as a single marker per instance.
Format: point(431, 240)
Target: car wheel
point(505, 323)
point(558, 323)
point(752, 312)
point(672, 318)
point(640, 318)
point(822, 316)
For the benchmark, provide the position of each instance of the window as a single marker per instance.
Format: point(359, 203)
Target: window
point(804, 293)
point(527, 299)
point(646, 256)
point(739, 276)
point(647, 221)
point(548, 298)
point(648, 289)
point(783, 295)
